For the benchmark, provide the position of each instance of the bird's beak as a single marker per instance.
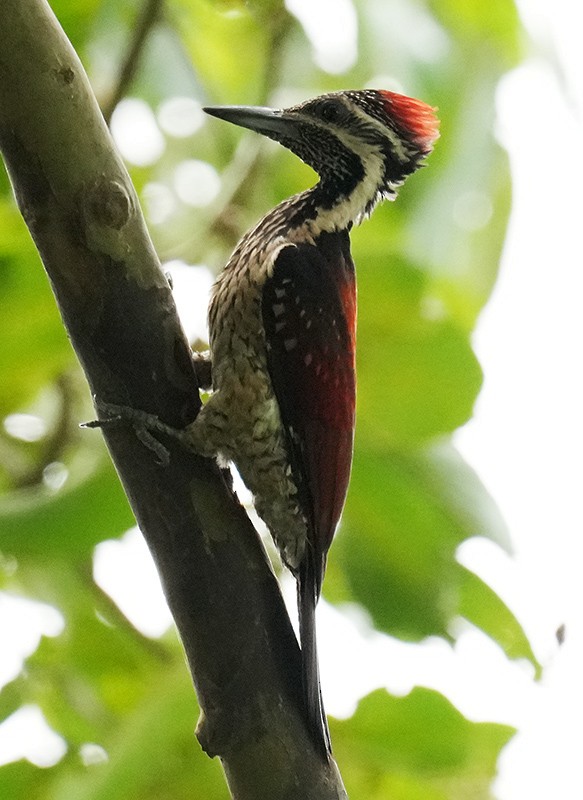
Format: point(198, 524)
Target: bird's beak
point(273, 122)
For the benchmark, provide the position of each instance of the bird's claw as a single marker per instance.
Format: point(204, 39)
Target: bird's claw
point(143, 423)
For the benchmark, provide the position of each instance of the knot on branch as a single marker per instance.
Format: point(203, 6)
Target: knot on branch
point(108, 204)
point(65, 74)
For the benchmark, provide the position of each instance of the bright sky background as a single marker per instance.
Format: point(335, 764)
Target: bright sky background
point(525, 441)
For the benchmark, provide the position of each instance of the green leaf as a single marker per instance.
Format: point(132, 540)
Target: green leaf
point(417, 373)
point(152, 755)
point(10, 700)
point(77, 18)
point(93, 673)
point(22, 779)
point(90, 507)
point(34, 348)
point(418, 746)
point(494, 27)
point(456, 229)
point(416, 383)
point(482, 606)
point(228, 48)
point(406, 514)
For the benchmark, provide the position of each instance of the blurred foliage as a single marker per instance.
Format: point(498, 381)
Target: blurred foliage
point(437, 753)
point(426, 266)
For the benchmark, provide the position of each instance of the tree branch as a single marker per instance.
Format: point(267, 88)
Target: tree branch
point(149, 14)
point(83, 214)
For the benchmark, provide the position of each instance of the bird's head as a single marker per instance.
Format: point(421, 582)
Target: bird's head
point(363, 144)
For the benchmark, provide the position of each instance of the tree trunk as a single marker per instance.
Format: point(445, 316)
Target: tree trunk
point(82, 211)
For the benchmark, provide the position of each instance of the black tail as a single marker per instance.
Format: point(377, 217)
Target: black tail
point(308, 593)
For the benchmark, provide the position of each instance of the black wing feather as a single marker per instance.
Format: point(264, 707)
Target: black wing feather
point(308, 309)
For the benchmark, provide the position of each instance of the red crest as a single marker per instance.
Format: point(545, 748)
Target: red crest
point(417, 120)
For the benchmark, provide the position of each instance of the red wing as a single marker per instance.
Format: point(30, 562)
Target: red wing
point(309, 314)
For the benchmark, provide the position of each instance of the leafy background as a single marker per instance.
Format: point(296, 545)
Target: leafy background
point(426, 266)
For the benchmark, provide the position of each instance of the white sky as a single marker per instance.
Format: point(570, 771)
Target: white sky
point(526, 442)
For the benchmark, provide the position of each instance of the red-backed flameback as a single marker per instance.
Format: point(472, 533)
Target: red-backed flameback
point(282, 325)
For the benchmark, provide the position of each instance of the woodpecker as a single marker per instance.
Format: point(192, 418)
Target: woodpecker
point(282, 323)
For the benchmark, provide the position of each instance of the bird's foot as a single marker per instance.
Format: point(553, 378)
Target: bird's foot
point(145, 425)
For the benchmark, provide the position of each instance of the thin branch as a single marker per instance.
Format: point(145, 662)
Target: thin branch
point(280, 21)
point(237, 177)
point(150, 13)
point(82, 211)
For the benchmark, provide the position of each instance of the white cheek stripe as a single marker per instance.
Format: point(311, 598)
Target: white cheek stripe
point(401, 151)
point(399, 148)
point(372, 187)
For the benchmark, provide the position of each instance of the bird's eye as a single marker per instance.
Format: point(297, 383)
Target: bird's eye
point(330, 112)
